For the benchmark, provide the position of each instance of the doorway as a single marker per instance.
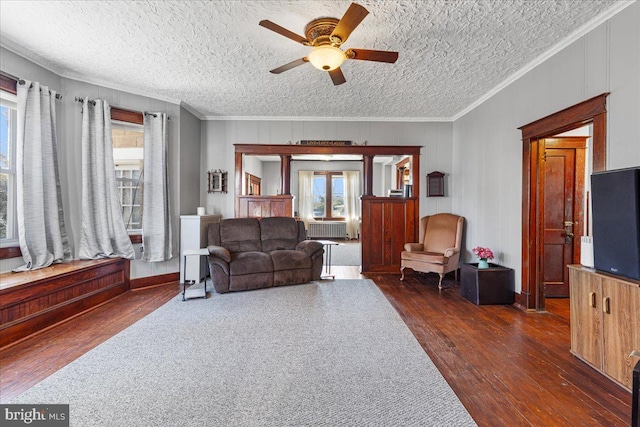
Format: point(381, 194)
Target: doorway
point(386, 223)
point(590, 112)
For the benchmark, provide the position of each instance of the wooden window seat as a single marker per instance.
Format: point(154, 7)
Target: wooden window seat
point(33, 301)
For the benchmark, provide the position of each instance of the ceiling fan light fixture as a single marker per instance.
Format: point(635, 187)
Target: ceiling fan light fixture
point(326, 57)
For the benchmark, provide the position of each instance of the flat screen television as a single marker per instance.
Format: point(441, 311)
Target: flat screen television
point(616, 221)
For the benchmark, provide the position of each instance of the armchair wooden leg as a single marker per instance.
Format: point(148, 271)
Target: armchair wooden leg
point(402, 271)
point(440, 282)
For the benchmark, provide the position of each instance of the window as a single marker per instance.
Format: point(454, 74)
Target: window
point(328, 195)
point(8, 125)
point(128, 140)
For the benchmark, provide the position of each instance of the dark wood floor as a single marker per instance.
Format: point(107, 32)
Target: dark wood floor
point(508, 367)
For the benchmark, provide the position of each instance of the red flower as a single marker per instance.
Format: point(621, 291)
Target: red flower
point(482, 253)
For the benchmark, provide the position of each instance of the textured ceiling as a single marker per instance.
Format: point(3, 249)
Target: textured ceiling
point(215, 58)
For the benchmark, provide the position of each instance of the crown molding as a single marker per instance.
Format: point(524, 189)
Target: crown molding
point(97, 82)
point(577, 34)
point(192, 110)
point(325, 119)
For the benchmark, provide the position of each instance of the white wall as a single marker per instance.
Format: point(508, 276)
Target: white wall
point(253, 166)
point(487, 149)
point(69, 153)
point(190, 176)
point(218, 138)
point(271, 178)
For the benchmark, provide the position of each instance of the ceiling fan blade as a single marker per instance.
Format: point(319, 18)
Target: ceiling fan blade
point(352, 17)
point(372, 55)
point(337, 77)
point(289, 66)
point(283, 32)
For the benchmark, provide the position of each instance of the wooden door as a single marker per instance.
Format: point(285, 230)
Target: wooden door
point(586, 316)
point(562, 188)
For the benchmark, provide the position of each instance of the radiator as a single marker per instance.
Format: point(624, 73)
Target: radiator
point(328, 229)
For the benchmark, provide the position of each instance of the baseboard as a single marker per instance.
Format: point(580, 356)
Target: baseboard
point(153, 281)
point(521, 302)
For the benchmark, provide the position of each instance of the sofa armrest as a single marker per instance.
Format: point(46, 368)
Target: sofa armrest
point(451, 252)
point(219, 252)
point(413, 247)
point(309, 246)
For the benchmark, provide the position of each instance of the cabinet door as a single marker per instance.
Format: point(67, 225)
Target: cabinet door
point(586, 316)
point(621, 319)
point(387, 224)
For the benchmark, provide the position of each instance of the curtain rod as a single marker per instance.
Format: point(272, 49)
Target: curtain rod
point(93, 102)
point(22, 82)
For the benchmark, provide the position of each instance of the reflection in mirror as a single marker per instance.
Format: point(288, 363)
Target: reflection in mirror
point(262, 175)
point(267, 168)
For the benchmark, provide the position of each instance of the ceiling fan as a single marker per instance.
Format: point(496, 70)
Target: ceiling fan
point(326, 35)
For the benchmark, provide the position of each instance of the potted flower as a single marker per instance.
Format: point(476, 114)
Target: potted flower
point(484, 254)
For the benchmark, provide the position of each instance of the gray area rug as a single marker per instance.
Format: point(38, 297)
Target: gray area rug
point(321, 354)
point(346, 254)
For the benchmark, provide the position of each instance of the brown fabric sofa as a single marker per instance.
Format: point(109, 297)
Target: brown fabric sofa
point(247, 253)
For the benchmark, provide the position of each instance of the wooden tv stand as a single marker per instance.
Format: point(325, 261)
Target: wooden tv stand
point(605, 322)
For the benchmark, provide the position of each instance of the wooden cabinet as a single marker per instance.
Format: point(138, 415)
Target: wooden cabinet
point(387, 224)
point(265, 206)
point(605, 322)
point(586, 317)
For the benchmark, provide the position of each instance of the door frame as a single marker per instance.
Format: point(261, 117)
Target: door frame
point(594, 111)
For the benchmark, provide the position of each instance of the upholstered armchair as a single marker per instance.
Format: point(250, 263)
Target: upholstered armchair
point(439, 248)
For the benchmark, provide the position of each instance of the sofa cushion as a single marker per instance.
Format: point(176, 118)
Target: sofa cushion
point(440, 234)
point(422, 256)
point(278, 233)
point(290, 260)
point(247, 282)
point(250, 262)
point(240, 235)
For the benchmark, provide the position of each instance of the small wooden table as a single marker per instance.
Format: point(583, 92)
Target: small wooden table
point(493, 285)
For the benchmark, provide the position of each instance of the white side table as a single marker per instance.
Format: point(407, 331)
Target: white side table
point(194, 293)
point(328, 244)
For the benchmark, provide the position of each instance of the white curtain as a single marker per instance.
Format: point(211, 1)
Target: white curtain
point(103, 233)
point(41, 230)
point(352, 195)
point(305, 196)
point(156, 220)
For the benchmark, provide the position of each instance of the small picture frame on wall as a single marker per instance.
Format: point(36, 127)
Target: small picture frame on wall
point(217, 181)
point(435, 184)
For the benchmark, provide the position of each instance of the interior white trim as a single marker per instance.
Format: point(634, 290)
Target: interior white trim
point(548, 54)
point(192, 110)
point(335, 119)
point(60, 73)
